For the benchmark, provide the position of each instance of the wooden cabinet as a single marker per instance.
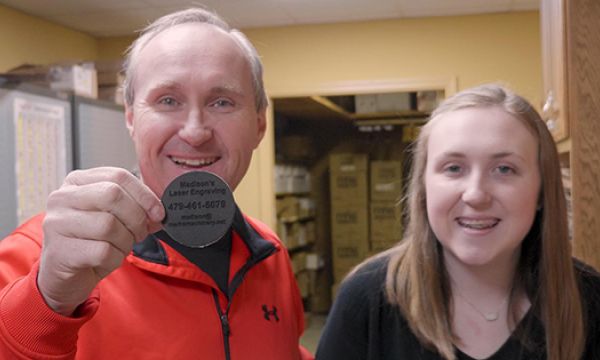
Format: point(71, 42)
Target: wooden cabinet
point(576, 108)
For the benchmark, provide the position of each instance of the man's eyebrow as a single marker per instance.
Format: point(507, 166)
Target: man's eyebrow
point(171, 85)
point(227, 88)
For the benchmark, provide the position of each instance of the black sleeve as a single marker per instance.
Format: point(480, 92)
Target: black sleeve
point(346, 332)
point(590, 292)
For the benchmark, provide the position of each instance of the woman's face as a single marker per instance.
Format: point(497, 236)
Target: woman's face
point(482, 183)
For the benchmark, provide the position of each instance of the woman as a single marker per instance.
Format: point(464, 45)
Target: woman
point(484, 270)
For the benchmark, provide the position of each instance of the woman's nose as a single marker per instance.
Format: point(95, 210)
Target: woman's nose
point(476, 192)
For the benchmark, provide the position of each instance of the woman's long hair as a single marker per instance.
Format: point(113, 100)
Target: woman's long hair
point(416, 278)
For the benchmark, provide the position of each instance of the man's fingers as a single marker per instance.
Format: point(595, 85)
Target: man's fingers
point(137, 190)
point(94, 226)
point(103, 197)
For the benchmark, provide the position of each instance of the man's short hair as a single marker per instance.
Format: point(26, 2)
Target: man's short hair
point(193, 15)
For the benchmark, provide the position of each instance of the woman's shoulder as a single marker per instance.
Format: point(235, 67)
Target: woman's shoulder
point(589, 277)
point(366, 280)
point(589, 284)
point(373, 270)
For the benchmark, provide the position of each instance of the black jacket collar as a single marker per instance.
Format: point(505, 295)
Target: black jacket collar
point(152, 250)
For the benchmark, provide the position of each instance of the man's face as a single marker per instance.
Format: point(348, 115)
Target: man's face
point(194, 107)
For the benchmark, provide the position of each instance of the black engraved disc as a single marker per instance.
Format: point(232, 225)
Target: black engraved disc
point(199, 209)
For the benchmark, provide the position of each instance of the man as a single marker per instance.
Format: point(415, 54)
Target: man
point(109, 284)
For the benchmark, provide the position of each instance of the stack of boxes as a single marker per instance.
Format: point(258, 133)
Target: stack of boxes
point(110, 81)
point(295, 216)
point(349, 211)
point(385, 219)
point(78, 78)
point(364, 219)
point(296, 221)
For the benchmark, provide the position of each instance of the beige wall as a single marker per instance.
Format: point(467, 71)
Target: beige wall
point(301, 60)
point(473, 49)
point(114, 47)
point(27, 39)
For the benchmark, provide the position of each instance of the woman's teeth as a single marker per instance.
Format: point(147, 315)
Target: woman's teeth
point(478, 224)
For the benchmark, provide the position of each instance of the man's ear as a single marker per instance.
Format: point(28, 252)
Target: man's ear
point(129, 119)
point(262, 126)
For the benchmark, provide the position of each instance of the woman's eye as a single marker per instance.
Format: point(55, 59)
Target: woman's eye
point(453, 169)
point(505, 170)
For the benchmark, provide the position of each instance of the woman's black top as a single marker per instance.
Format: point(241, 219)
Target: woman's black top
point(362, 325)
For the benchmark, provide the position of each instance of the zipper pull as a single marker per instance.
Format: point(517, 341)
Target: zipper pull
point(225, 324)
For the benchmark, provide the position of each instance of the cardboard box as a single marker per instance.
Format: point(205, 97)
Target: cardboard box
point(392, 102)
point(349, 188)
point(81, 79)
point(386, 180)
point(303, 281)
point(348, 162)
point(381, 246)
point(293, 208)
point(288, 208)
point(310, 230)
point(110, 72)
point(111, 93)
point(314, 261)
point(320, 293)
point(291, 179)
point(385, 225)
point(386, 102)
point(348, 250)
point(427, 101)
point(78, 78)
point(297, 147)
point(334, 290)
point(410, 133)
point(349, 221)
point(299, 262)
point(348, 178)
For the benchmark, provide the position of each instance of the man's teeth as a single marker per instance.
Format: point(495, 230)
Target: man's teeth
point(194, 162)
point(478, 224)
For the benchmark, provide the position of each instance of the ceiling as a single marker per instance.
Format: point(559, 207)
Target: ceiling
point(103, 18)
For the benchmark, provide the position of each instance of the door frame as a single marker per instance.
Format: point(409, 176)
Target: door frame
point(259, 200)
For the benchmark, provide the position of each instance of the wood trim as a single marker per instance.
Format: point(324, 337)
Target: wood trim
point(554, 63)
point(583, 79)
point(449, 85)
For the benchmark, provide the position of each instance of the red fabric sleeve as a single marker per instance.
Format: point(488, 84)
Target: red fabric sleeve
point(29, 329)
point(305, 354)
point(20, 250)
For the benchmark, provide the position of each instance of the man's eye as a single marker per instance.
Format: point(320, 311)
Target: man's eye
point(222, 103)
point(169, 101)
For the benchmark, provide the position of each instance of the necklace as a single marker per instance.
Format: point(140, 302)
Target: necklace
point(489, 316)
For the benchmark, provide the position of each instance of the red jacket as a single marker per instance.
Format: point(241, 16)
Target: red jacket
point(157, 305)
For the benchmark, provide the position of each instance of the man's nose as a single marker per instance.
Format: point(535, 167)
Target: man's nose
point(476, 192)
point(196, 130)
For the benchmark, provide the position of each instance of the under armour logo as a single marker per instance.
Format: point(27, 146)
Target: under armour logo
point(268, 313)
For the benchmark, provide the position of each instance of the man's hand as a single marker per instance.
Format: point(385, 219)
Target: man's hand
point(91, 225)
